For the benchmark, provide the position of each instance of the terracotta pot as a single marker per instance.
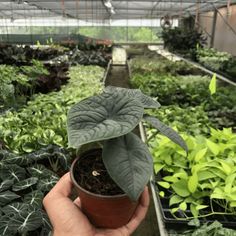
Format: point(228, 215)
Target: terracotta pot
point(103, 211)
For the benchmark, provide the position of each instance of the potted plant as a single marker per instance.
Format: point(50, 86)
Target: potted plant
point(110, 179)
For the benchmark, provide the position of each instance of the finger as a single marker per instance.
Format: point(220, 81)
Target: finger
point(140, 212)
point(77, 202)
point(63, 186)
point(57, 202)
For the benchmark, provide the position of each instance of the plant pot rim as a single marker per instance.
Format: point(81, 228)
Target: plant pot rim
point(88, 192)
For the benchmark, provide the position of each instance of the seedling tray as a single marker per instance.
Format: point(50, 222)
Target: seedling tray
point(171, 222)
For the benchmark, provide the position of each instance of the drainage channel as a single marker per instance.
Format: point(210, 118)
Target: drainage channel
point(118, 74)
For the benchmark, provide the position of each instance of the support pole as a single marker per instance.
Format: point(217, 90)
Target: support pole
point(213, 29)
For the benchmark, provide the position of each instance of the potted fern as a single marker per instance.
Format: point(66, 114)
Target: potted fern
point(111, 178)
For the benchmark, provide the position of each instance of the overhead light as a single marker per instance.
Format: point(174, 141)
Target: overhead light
point(107, 3)
point(26, 2)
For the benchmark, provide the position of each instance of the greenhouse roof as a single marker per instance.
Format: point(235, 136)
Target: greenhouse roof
point(105, 9)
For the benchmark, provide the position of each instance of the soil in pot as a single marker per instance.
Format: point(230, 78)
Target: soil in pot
point(90, 173)
point(104, 203)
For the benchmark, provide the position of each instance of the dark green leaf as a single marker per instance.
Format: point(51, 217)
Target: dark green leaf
point(5, 229)
point(167, 131)
point(6, 184)
point(47, 184)
point(129, 163)
point(34, 198)
point(17, 159)
point(147, 101)
point(7, 196)
point(26, 221)
point(39, 171)
point(24, 184)
point(12, 171)
point(15, 208)
point(102, 117)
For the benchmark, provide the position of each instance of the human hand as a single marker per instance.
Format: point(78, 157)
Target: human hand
point(68, 220)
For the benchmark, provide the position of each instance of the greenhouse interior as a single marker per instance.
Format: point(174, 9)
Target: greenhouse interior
point(159, 77)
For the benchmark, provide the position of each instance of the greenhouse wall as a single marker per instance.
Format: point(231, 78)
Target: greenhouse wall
point(225, 37)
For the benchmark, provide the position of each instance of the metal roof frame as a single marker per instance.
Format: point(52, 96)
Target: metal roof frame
point(96, 10)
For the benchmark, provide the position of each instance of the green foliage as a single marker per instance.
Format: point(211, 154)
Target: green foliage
point(36, 69)
point(191, 91)
point(12, 83)
point(43, 120)
point(211, 58)
point(17, 84)
point(205, 179)
point(212, 229)
point(229, 67)
point(185, 90)
point(180, 39)
point(111, 117)
point(217, 61)
point(195, 118)
point(121, 34)
point(23, 184)
point(162, 66)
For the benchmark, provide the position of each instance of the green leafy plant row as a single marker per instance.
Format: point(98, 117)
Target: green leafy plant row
point(43, 120)
point(162, 66)
point(202, 182)
point(195, 119)
point(24, 180)
point(210, 229)
point(217, 61)
point(191, 91)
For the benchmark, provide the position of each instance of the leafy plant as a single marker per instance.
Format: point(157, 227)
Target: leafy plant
point(212, 229)
point(110, 117)
point(180, 39)
point(23, 55)
point(24, 181)
point(185, 90)
point(98, 57)
point(162, 66)
point(12, 85)
point(196, 120)
point(202, 183)
point(211, 58)
point(43, 120)
point(191, 91)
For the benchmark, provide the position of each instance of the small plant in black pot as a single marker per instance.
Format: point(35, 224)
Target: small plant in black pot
point(111, 179)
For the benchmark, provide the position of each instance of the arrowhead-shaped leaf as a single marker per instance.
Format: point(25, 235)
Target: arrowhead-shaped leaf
point(39, 171)
point(47, 184)
point(17, 159)
point(167, 131)
point(103, 117)
point(6, 184)
point(7, 196)
point(129, 163)
point(147, 101)
point(34, 198)
point(26, 221)
point(24, 184)
point(15, 208)
point(5, 229)
point(12, 171)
